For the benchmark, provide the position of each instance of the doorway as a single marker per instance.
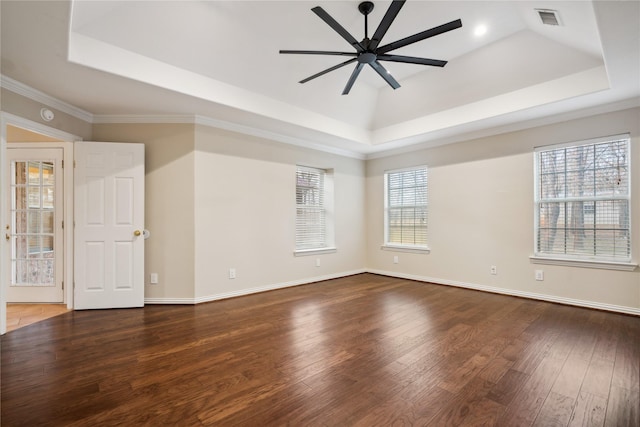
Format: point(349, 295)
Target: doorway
point(118, 280)
point(36, 194)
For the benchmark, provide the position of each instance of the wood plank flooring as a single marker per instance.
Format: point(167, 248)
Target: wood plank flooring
point(363, 350)
point(20, 315)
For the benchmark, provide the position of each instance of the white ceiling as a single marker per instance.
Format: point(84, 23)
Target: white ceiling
point(219, 60)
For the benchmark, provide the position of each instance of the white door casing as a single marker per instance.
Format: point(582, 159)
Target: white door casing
point(6, 120)
point(109, 223)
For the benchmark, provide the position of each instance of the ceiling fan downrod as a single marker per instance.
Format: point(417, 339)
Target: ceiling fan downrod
point(365, 8)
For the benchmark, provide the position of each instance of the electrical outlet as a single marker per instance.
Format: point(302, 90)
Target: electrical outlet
point(395, 259)
point(540, 275)
point(494, 270)
point(232, 273)
point(317, 262)
point(153, 279)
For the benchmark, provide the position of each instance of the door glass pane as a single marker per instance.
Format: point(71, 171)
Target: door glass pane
point(33, 273)
point(46, 271)
point(34, 173)
point(47, 246)
point(19, 219)
point(20, 271)
point(47, 197)
point(33, 227)
point(20, 173)
point(34, 246)
point(47, 222)
point(34, 197)
point(47, 174)
point(20, 245)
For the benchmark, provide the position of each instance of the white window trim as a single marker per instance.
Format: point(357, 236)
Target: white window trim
point(573, 260)
point(318, 251)
point(406, 248)
point(585, 263)
point(418, 249)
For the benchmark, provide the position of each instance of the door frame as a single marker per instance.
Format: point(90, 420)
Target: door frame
point(7, 119)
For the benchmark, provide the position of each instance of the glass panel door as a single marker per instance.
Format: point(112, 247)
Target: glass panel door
point(36, 226)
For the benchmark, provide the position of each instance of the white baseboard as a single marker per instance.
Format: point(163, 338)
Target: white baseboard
point(249, 291)
point(511, 292)
point(474, 286)
point(169, 300)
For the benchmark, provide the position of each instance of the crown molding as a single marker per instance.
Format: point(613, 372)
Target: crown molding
point(38, 96)
point(222, 124)
point(144, 118)
point(274, 136)
point(516, 126)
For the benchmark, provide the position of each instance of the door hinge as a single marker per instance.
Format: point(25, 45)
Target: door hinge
point(63, 164)
point(63, 285)
point(74, 163)
point(63, 225)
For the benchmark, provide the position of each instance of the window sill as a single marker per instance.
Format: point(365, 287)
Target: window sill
point(606, 265)
point(316, 251)
point(411, 249)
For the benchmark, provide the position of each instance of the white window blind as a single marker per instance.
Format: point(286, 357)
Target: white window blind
point(582, 200)
point(406, 207)
point(311, 215)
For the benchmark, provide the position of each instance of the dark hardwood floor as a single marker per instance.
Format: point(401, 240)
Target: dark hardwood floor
point(363, 350)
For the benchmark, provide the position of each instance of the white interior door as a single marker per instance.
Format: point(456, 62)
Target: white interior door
point(35, 225)
point(109, 222)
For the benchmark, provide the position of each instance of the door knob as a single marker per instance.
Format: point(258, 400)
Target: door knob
point(137, 233)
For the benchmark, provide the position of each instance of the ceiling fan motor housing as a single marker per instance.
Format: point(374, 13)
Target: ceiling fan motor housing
point(367, 57)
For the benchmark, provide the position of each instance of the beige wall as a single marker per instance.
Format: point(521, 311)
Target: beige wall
point(16, 134)
point(481, 214)
point(245, 214)
point(26, 108)
point(217, 200)
point(169, 203)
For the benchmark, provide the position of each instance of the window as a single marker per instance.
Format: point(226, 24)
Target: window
point(314, 202)
point(406, 208)
point(582, 200)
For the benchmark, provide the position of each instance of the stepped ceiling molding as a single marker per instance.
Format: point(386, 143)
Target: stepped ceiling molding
point(218, 61)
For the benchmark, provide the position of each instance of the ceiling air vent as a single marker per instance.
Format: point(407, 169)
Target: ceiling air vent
point(549, 17)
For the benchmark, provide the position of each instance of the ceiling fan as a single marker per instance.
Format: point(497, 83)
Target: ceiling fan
point(368, 50)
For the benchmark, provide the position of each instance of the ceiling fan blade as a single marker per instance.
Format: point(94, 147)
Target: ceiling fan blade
point(352, 79)
point(412, 60)
point(420, 36)
point(319, 52)
point(384, 74)
point(335, 67)
point(337, 28)
point(386, 22)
